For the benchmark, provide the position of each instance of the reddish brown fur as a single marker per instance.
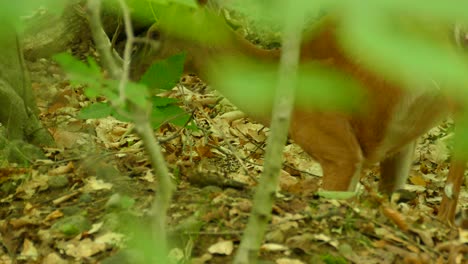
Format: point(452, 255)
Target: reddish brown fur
point(341, 142)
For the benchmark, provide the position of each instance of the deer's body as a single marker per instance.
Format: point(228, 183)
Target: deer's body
point(391, 119)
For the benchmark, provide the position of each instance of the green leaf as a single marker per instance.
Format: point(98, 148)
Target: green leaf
point(159, 101)
point(137, 94)
point(80, 72)
point(101, 110)
point(127, 202)
point(93, 66)
point(119, 202)
point(330, 259)
point(326, 88)
point(169, 114)
point(110, 89)
point(164, 74)
point(72, 225)
point(96, 110)
point(192, 126)
point(122, 115)
point(92, 92)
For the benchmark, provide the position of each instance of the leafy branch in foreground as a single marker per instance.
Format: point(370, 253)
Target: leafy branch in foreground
point(135, 102)
point(164, 110)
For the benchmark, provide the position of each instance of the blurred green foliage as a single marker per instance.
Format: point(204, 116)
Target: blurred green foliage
point(249, 85)
point(408, 42)
point(164, 74)
point(12, 12)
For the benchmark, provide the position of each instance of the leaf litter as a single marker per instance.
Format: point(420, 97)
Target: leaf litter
point(104, 173)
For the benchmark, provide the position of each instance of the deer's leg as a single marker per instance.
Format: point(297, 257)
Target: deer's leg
point(330, 139)
point(455, 177)
point(394, 170)
point(451, 192)
point(341, 175)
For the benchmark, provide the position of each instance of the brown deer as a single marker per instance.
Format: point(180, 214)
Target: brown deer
point(392, 117)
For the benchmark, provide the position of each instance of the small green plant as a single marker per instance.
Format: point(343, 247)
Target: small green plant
point(161, 76)
point(330, 259)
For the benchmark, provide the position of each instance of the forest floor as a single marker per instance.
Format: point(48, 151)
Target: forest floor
point(91, 195)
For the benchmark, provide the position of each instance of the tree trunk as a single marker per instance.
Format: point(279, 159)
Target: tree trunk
point(18, 113)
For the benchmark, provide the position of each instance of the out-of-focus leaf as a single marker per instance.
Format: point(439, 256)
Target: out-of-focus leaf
point(461, 142)
point(411, 56)
point(72, 225)
point(197, 25)
point(192, 126)
point(170, 113)
point(96, 110)
point(434, 10)
point(12, 12)
point(251, 86)
point(123, 115)
point(265, 12)
point(109, 89)
point(189, 3)
point(164, 74)
point(163, 101)
point(92, 92)
point(327, 88)
point(78, 71)
point(137, 94)
point(147, 12)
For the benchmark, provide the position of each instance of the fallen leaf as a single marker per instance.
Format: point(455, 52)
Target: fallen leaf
point(222, 248)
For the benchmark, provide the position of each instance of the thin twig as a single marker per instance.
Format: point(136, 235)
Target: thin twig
point(127, 56)
point(284, 101)
point(102, 42)
point(140, 116)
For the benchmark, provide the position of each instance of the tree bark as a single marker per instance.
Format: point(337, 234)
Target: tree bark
point(18, 113)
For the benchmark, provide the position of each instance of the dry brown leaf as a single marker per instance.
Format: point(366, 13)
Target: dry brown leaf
point(286, 180)
point(272, 247)
point(53, 258)
point(204, 151)
point(83, 248)
point(66, 139)
point(62, 169)
point(304, 188)
point(397, 218)
point(222, 248)
point(53, 215)
point(110, 131)
point(232, 116)
point(418, 180)
point(29, 251)
point(288, 261)
point(29, 188)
